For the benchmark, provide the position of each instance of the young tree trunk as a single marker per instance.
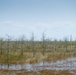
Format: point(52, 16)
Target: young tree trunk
point(22, 41)
point(8, 49)
point(70, 42)
point(1, 44)
point(43, 44)
point(66, 44)
point(33, 44)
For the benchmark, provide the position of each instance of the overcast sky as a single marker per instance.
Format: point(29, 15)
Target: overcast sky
point(56, 18)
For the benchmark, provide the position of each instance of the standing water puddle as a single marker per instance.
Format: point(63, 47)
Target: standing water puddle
point(67, 64)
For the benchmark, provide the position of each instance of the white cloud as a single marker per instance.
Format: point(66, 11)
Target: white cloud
point(54, 29)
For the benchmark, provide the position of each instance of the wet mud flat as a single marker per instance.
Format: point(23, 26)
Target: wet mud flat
point(17, 72)
point(44, 72)
point(60, 67)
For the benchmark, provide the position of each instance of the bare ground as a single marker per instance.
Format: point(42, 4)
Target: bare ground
point(45, 72)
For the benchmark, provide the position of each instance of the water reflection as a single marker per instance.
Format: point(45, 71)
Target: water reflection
point(67, 64)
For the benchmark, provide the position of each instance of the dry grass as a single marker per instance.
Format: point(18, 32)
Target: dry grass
point(11, 52)
point(27, 57)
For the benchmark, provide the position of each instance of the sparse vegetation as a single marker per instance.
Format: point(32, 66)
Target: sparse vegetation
point(22, 51)
point(32, 51)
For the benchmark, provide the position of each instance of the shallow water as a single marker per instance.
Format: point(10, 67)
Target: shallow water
point(67, 64)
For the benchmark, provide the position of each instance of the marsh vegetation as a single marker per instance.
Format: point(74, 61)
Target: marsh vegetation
point(24, 51)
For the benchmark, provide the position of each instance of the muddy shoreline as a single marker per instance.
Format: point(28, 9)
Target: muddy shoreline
point(66, 64)
point(44, 72)
point(60, 67)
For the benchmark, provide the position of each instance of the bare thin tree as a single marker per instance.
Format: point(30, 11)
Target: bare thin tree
point(33, 44)
point(55, 44)
point(1, 45)
point(8, 48)
point(66, 43)
point(22, 41)
point(70, 42)
point(43, 44)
